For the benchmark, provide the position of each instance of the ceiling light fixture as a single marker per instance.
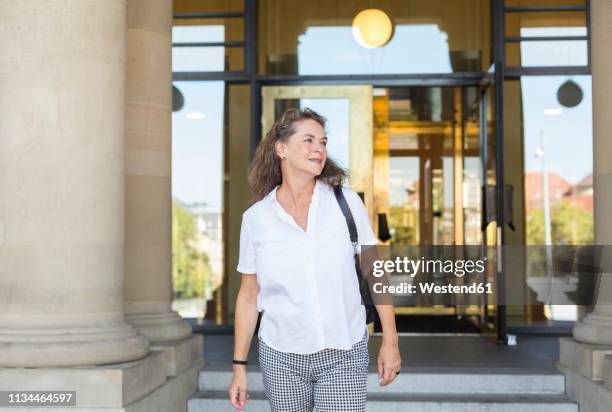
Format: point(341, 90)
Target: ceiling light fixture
point(372, 28)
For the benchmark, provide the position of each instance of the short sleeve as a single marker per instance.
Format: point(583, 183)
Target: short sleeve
point(246, 258)
point(362, 221)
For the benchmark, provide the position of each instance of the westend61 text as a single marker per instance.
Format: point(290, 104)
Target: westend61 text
point(412, 267)
point(429, 288)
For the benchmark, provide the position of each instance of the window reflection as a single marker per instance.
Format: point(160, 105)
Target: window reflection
point(554, 52)
point(404, 189)
point(185, 59)
point(543, 53)
point(554, 20)
point(563, 136)
point(472, 200)
point(414, 151)
point(436, 36)
point(197, 196)
point(420, 48)
point(558, 153)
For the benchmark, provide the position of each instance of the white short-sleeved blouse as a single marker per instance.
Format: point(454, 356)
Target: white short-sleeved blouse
point(309, 293)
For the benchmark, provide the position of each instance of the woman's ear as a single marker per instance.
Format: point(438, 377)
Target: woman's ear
point(280, 148)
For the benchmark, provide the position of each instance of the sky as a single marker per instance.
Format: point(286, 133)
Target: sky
point(197, 154)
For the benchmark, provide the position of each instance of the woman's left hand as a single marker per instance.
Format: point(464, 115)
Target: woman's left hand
point(389, 363)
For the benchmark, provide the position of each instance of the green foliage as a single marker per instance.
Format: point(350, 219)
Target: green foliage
point(191, 271)
point(570, 225)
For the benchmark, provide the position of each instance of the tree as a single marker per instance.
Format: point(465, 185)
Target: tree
point(570, 225)
point(191, 271)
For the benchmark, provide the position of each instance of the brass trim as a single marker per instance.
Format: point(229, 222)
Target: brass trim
point(458, 166)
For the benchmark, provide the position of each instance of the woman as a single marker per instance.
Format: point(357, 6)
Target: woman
point(297, 264)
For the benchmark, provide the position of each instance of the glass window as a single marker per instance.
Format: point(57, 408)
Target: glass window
point(558, 172)
point(554, 53)
point(346, 56)
point(197, 195)
point(210, 160)
point(207, 30)
point(436, 36)
point(549, 52)
point(198, 58)
point(549, 23)
point(555, 137)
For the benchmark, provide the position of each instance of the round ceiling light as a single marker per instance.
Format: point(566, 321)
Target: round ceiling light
point(372, 28)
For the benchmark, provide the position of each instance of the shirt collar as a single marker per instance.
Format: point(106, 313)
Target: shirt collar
point(319, 187)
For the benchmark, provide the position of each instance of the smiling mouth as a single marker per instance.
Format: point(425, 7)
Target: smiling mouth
point(318, 161)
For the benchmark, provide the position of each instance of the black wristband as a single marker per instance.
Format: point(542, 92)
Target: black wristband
point(239, 362)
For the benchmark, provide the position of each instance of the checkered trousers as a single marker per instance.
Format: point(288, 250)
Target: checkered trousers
point(328, 380)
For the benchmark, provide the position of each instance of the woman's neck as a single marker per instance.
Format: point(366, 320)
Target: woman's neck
point(297, 191)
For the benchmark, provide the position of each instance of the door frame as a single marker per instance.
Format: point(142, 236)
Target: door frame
point(492, 81)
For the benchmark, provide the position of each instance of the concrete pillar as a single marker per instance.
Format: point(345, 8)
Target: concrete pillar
point(148, 223)
point(596, 327)
point(62, 76)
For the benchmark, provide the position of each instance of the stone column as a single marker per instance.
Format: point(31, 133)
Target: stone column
point(62, 76)
point(148, 223)
point(586, 360)
point(596, 327)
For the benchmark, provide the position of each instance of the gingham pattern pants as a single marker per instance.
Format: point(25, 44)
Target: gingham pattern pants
point(328, 380)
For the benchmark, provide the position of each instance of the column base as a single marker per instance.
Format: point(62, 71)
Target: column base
point(64, 348)
point(160, 327)
point(592, 396)
point(584, 358)
point(588, 374)
point(593, 328)
point(139, 386)
point(180, 355)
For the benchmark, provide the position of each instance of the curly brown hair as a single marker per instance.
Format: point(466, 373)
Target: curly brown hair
point(265, 171)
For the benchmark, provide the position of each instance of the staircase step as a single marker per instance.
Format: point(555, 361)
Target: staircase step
point(205, 401)
point(431, 381)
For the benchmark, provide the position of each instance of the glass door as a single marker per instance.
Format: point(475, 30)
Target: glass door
point(419, 157)
point(427, 190)
point(414, 165)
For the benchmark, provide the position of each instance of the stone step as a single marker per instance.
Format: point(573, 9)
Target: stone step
point(205, 401)
point(431, 381)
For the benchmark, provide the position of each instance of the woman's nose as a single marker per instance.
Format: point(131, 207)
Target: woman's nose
point(319, 148)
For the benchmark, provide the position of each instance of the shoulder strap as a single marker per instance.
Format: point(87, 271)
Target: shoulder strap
point(346, 211)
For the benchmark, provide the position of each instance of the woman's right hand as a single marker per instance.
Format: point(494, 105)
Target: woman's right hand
point(238, 388)
point(245, 321)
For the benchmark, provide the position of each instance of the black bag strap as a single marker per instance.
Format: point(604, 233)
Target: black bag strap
point(350, 222)
point(366, 298)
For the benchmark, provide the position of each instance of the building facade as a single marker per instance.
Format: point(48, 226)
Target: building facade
point(107, 172)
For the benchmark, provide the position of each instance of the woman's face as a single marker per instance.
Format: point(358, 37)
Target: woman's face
point(306, 149)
